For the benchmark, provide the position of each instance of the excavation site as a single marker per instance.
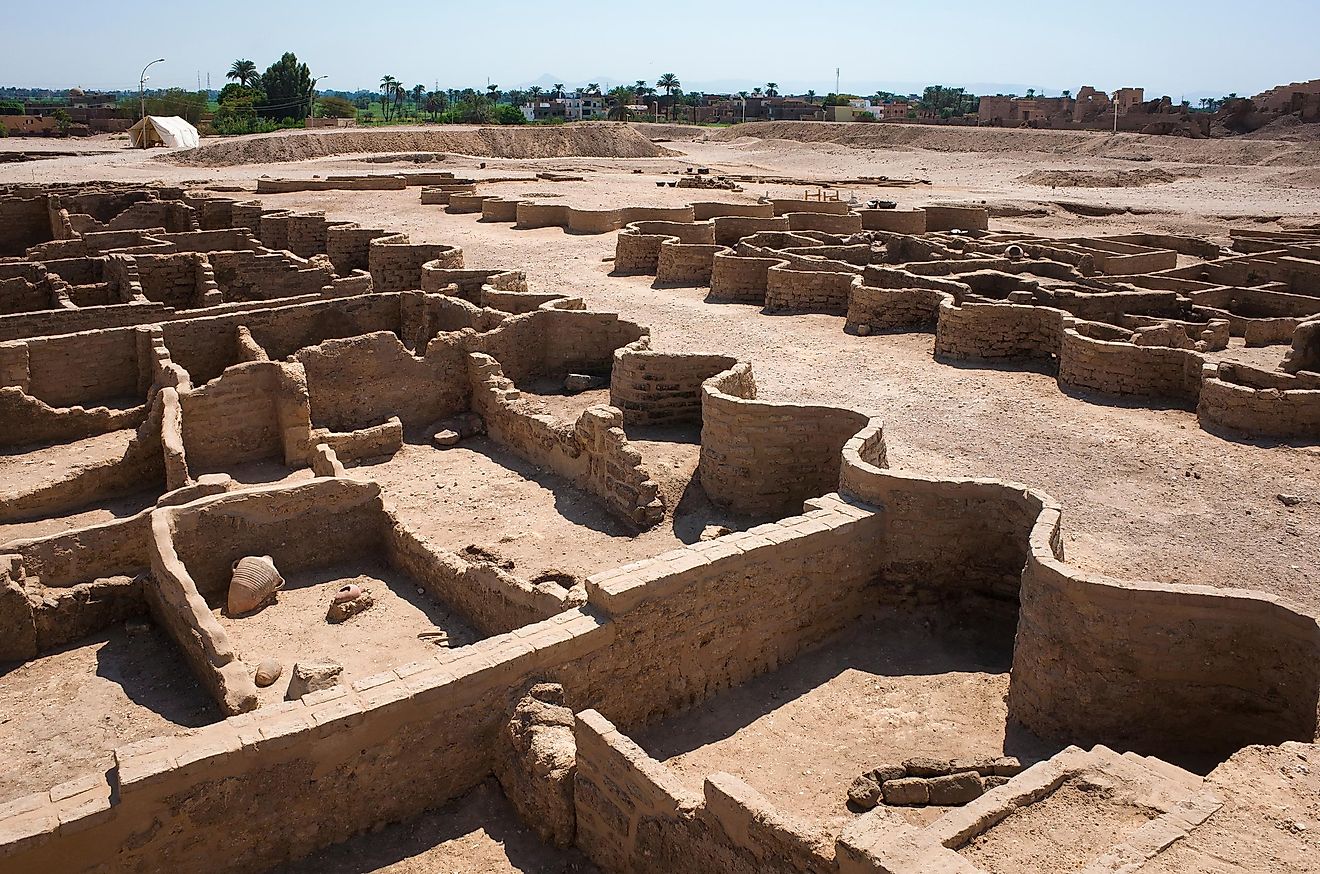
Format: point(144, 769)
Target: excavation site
point(623, 497)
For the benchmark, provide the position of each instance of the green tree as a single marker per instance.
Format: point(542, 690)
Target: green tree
point(417, 92)
point(287, 84)
point(62, 120)
point(593, 87)
point(811, 96)
point(559, 90)
point(771, 89)
point(387, 85)
point(333, 106)
point(620, 98)
point(243, 72)
point(670, 83)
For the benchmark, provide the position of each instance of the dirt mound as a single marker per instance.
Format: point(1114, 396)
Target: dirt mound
point(1100, 178)
point(575, 140)
point(679, 133)
point(1288, 128)
point(1099, 144)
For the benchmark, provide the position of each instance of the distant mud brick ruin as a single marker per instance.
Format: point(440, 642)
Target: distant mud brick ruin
point(187, 381)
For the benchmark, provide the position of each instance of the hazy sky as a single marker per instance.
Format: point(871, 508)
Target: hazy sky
point(1175, 47)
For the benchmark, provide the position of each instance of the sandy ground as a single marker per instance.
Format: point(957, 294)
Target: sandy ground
point(876, 696)
point(294, 627)
point(1063, 832)
point(61, 715)
point(476, 834)
point(1146, 493)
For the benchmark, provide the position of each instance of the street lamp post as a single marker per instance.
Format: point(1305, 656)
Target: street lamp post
point(142, 87)
point(311, 97)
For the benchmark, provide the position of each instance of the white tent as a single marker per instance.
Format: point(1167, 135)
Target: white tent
point(169, 131)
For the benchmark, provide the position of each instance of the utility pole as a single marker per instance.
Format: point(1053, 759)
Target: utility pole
point(836, 80)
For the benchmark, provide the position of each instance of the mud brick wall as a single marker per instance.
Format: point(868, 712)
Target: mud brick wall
point(80, 369)
point(363, 380)
point(730, 229)
point(949, 218)
point(78, 271)
point(828, 207)
point(892, 308)
point(706, 210)
point(396, 264)
point(487, 597)
point(274, 229)
point(990, 331)
point(251, 412)
point(739, 279)
point(1187, 673)
point(946, 541)
point(594, 221)
point(1111, 306)
point(25, 420)
point(24, 222)
point(762, 458)
point(495, 209)
point(555, 343)
point(315, 524)
point(427, 738)
point(436, 277)
point(789, 290)
point(347, 246)
point(307, 234)
point(898, 221)
point(685, 263)
point(172, 215)
point(542, 215)
point(830, 224)
point(247, 215)
point(21, 295)
point(660, 388)
point(1268, 412)
point(593, 452)
point(206, 345)
point(634, 815)
point(637, 248)
point(695, 621)
point(174, 280)
point(1125, 369)
point(222, 239)
point(213, 213)
point(69, 321)
point(252, 276)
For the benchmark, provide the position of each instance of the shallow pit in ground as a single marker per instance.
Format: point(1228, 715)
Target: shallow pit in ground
point(478, 494)
point(884, 691)
point(294, 627)
point(63, 714)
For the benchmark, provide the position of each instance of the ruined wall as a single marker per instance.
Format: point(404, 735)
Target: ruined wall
point(24, 222)
point(763, 458)
point(554, 342)
point(739, 278)
point(634, 815)
point(254, 410)
point(1187, 673)
point(1233, 398)
point(659, 388)
point(365, 379)
point(80, 369)
point(592, 453)
point(396, 265)
point(976, 331)
point(808, 291)
point(685, 263)
point(1124, 369)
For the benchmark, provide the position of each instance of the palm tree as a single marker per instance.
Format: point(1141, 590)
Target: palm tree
point(771, 89)
point(243, 72)
point(534, 93)
point(811, 95)
point(399, 93)
point(559, 90)
point(756, 92)
point(417, 92)
point(387, 86)
point(670, 83)
point(494, 92)
point(593, 87)
point(620, 98)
